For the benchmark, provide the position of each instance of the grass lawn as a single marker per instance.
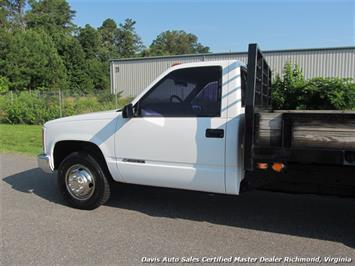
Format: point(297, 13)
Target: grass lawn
point(21, 139)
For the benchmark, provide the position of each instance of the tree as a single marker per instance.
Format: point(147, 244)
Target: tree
point(51, 16)
point(32, 62)
point(5, 42)
point(119, 41)
point(41, 47)
point(129, 44)
point(90, 40)
point(73, 56)
point(3, 15)
point(96, 56)
point(99, 73)
point(109, 36)
point(12, 14)
point(174, 43)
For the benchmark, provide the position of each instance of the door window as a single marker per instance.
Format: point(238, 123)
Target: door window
point(188, 92)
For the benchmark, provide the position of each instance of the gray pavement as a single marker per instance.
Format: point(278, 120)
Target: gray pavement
point(37, 228)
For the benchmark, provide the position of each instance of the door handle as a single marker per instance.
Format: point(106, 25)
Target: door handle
point(214, 133)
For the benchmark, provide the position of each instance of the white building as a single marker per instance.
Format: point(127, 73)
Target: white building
point(132, 75)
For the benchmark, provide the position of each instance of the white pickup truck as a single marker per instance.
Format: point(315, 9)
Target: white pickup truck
point(187, 130)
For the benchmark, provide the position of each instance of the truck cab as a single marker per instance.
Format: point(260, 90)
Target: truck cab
point(174, 134)
point(178, 130)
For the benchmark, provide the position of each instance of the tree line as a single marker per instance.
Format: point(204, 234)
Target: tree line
point(41, 48)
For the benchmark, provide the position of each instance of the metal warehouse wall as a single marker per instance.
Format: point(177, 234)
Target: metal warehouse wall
point(131, 76)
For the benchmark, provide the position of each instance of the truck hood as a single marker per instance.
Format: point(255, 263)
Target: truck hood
point(105, 115)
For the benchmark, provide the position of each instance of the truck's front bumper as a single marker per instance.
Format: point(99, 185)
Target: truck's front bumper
point(43, 161)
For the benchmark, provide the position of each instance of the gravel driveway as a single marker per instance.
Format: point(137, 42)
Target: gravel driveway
point(151, 223)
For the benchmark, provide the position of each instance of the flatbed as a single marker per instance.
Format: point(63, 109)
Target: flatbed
point(321, 137)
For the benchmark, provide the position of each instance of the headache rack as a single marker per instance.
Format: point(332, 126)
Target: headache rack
point(319, 137)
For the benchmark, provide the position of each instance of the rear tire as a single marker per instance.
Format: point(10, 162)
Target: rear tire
point(82, 182)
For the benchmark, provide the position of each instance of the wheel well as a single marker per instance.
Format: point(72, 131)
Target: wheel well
point(63, 148)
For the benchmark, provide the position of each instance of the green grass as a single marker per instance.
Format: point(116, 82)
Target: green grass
point(21, 139)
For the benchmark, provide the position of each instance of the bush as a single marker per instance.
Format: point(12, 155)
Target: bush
point(292, 91)
point(4, 84)
point(329, 93)
point(26, 108)
point(38, 107)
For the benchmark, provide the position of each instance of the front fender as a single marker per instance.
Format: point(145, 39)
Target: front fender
point(99, 132)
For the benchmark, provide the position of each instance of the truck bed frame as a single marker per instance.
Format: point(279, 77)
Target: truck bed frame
point(284, 149)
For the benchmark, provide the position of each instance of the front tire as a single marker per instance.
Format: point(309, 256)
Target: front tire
point(82, 181)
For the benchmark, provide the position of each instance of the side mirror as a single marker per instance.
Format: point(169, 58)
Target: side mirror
point(127, 111)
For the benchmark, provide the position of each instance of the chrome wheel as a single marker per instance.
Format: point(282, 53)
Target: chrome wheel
point(80, 182)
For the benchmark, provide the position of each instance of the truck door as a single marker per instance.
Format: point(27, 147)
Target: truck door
point(177, 136)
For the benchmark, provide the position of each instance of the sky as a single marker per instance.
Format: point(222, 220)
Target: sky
point(227, 26)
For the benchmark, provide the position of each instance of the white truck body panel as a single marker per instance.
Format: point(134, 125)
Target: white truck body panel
point(97, 128)
point(175, 150)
